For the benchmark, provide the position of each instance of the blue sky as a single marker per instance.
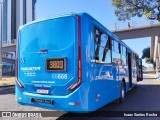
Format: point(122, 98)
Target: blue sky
point(101, 10)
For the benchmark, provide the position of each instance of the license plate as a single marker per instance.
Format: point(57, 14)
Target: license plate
point(42, 101)
point(42, 91)
point(56, 64)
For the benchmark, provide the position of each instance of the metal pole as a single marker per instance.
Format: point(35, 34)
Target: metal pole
point(1, 3)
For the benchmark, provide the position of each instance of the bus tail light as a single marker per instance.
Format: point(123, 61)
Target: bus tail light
point(20, 84)
point(16, 68)
point(17, 81)
point(79, 81)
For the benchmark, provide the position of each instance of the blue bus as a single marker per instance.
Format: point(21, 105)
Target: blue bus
point(73, 63)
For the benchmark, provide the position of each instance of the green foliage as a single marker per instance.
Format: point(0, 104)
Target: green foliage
point(146, 53)
point(147, 60)
point(125, 9)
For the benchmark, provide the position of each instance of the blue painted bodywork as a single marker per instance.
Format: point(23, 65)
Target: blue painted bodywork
point(60, 37)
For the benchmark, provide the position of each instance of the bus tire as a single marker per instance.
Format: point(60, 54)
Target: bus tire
point(122, 92)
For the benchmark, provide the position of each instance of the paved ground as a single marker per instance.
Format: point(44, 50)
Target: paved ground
point(145, 97)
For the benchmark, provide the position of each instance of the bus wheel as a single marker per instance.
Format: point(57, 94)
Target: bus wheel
point(122, 93)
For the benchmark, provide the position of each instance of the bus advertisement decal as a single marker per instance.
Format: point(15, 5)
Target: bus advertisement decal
point(30, 71)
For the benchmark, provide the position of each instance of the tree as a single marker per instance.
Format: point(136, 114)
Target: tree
point(146, 55)
point(126, 9)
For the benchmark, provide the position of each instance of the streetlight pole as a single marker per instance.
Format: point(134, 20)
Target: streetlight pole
point(1, 3)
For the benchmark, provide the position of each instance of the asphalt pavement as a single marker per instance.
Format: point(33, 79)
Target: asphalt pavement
point(143, 98)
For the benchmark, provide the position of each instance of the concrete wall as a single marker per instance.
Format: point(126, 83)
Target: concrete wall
point(155, 51)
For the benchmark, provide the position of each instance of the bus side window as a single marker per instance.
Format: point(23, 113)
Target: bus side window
point(119, 48)
point(97, 40)
point(116, 47)
point(107, 52)
point(124, 51)
point(113, 45)
point(126, 57)
point(102, 47)
point(134, 65)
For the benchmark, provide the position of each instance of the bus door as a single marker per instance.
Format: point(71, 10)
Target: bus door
point(129, 70)
point(140, 71)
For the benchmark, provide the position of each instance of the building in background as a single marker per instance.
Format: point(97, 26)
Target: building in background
point(13, 13)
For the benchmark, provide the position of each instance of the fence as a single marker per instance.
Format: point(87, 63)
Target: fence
point(131, 24)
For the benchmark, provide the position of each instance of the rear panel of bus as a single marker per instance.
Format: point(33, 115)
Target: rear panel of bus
point(49, 66)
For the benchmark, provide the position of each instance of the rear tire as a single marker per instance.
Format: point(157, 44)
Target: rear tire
point(122, 93)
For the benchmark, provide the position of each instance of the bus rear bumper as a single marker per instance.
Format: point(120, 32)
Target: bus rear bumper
point(64, 103)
